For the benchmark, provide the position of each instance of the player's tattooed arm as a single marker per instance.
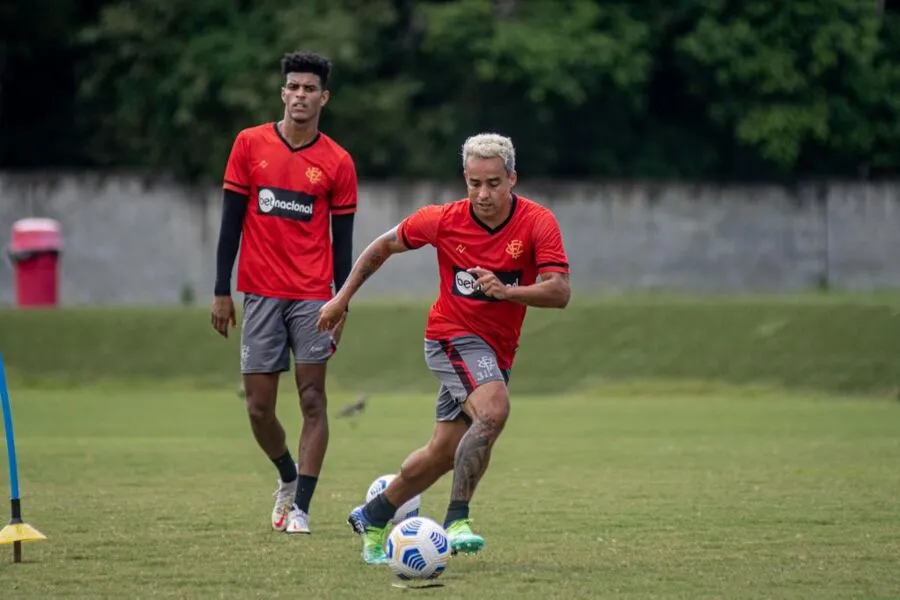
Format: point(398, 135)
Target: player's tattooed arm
point(472, 456)
point(370, 261)
point(377, 253)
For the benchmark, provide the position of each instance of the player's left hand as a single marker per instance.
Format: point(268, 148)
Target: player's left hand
point(222, 314)
point(339, 329)
point(331, 315)
point(488, 283)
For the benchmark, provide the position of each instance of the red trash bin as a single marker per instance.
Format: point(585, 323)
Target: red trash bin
point(34, 250)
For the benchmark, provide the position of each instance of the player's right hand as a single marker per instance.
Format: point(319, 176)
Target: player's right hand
point(222, 314)
point(331, 314)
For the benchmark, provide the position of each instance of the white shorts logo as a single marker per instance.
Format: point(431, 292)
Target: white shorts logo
point(487, 362)
point(487, 366)
point(266, 200)
point(465, 283)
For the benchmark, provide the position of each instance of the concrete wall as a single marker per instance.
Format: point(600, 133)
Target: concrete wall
point(133, 241)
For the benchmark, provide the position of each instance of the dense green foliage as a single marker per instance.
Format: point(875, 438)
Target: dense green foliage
point(657, 89)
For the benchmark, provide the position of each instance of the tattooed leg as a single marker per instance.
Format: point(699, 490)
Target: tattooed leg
point(490, 408)
point(472, 457)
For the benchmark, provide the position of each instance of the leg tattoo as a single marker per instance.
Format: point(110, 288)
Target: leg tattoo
point(472, 457)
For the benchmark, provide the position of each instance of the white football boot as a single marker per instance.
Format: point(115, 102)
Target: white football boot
point(297, 521)
point(284, 500)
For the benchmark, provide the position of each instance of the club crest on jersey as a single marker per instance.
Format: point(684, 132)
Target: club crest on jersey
point(286, 204)
point(314, 174)
point(464, 283)
point(515, 248)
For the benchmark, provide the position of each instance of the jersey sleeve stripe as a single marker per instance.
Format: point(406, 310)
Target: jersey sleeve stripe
point(561, 265)
point(230, 188)
point(236, 186)
point(343, 210)
point(343, 206)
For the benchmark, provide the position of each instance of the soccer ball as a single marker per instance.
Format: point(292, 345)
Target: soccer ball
point(409, 509)
point(418, 548)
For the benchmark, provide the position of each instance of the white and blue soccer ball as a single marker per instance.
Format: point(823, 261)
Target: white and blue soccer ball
point(407, 510)
point(417, 548)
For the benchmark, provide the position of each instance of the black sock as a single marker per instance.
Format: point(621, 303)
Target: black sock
point(305, 488)
point(458, 509)
point(379, 511)
point(287, 470)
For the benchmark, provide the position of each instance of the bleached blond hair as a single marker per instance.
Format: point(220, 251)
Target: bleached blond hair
point(490, 145)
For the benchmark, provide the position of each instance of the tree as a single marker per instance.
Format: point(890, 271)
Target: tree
point(797, 81)
point(587, 88)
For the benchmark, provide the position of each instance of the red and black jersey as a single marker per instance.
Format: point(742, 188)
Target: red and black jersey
point(527, 244)
point(285, 248)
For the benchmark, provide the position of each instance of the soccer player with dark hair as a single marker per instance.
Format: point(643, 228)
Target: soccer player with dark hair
point(286, 183)
point(497, 253)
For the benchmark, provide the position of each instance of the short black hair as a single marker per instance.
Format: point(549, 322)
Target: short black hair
point(306, 62)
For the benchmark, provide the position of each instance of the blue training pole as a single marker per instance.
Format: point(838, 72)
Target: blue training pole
point(10, 444)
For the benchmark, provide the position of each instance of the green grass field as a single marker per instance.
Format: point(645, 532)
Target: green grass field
point(658, 448)
point(629, 492)
point(839, 344)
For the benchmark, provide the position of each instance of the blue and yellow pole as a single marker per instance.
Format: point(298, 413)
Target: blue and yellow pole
point(17, 531)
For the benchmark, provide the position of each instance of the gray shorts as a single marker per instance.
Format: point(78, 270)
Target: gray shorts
point(461, 364)
point(273, 328)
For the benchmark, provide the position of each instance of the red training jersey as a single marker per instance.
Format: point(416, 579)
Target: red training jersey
point(291, 193)
point(527, 244)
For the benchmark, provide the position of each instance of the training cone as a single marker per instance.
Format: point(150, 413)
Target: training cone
point(20, 532)
point(16, 533)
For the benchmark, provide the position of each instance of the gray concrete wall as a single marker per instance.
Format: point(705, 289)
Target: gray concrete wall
point(129, 241)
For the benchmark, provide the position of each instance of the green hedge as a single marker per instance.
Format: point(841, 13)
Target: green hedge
point(847, 345)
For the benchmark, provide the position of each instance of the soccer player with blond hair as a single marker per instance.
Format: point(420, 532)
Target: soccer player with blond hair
point(498, 253)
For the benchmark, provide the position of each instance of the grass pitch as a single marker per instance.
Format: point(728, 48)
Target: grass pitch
point(639, 491)
point(840, 344)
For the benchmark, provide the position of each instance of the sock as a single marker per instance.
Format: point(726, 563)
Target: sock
point(305, 488)
point(286, 469)
point(379, 511)
point(458, 509)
